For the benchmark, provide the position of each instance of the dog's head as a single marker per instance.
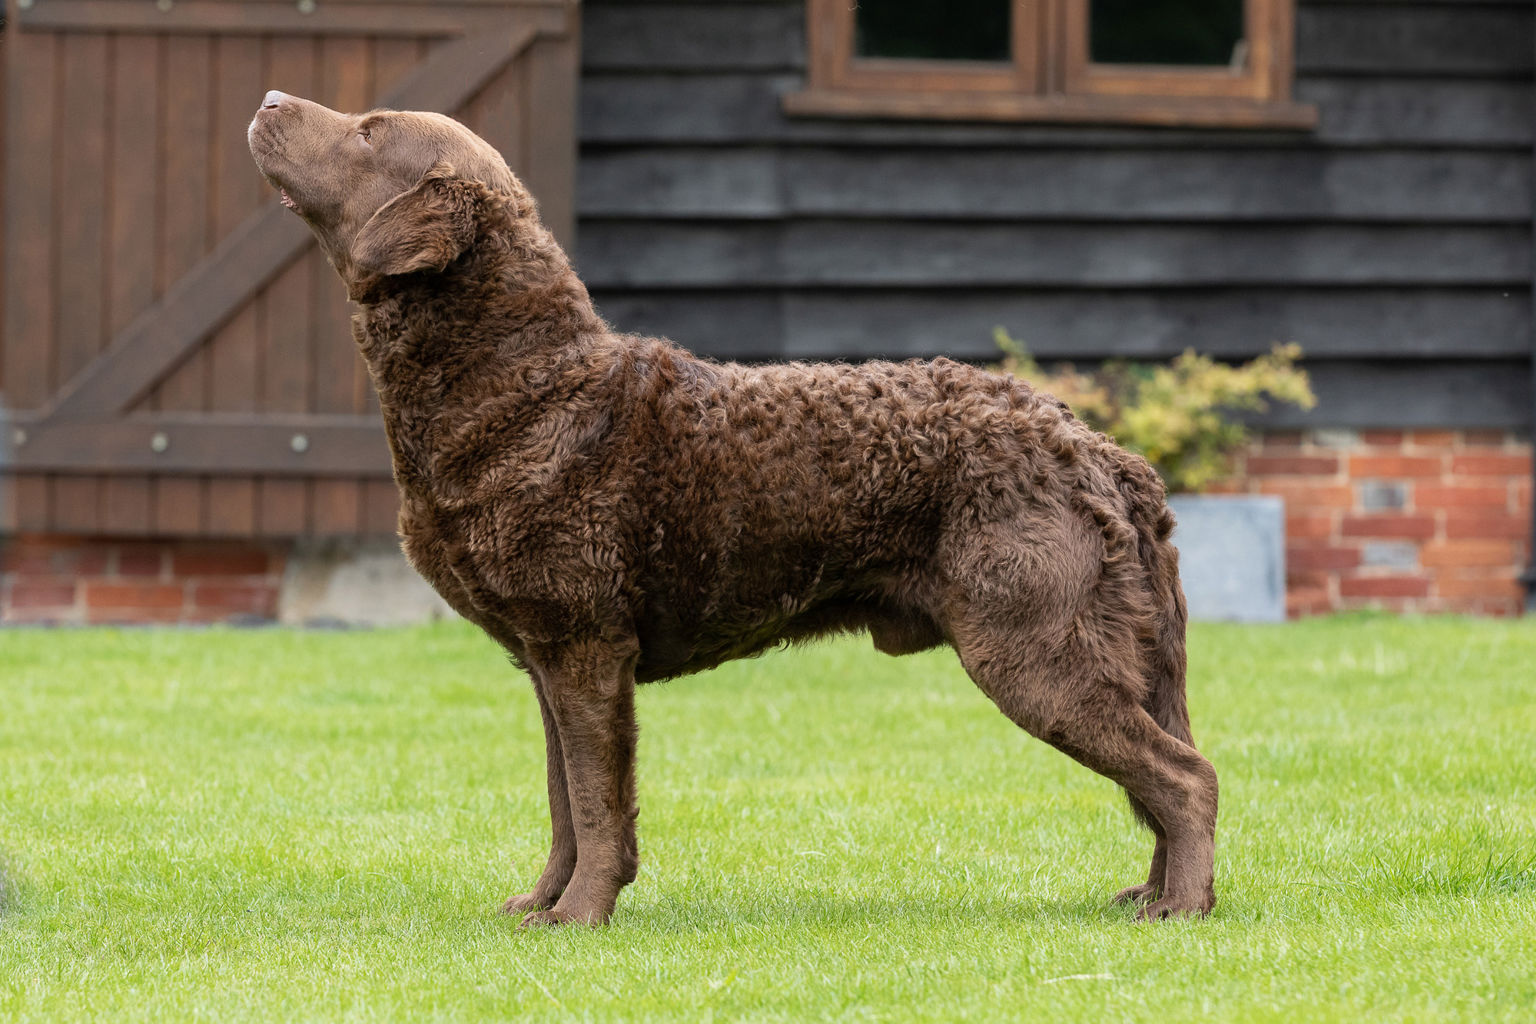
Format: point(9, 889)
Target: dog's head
point(387, 192)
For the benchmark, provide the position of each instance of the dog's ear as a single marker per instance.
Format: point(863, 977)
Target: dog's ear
point(425, 228)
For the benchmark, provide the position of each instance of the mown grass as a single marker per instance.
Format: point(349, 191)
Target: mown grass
point(319, 826)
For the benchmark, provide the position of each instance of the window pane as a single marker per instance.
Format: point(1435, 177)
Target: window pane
point(929, 30)
point(1164, 31)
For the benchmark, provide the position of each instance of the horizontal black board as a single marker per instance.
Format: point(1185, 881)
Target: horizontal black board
point(754, 254)
point(693, 37)
point(1229, 184)
point(1394, 395)
point(1385, 323)
point(1424, 39)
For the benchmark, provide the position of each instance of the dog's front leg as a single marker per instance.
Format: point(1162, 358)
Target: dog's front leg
point(591, 693)
point(562, 846)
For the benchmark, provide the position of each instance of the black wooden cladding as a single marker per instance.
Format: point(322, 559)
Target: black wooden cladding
point(1393, 242)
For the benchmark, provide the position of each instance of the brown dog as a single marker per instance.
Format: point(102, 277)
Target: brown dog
point(611, 509)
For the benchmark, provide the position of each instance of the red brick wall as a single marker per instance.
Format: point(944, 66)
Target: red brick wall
point(1421, 520)
point(78, 580)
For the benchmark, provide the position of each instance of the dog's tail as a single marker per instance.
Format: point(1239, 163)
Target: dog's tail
point(1162, 637)
point(1163, 655)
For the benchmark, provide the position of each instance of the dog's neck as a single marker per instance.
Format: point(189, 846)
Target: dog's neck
point(440, 346)
point(441, 337)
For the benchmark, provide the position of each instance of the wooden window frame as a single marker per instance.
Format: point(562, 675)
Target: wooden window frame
point(1051, 79)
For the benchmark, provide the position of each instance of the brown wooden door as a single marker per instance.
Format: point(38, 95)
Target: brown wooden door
point(176, 355)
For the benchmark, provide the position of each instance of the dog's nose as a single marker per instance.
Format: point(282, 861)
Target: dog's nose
point(272, 99)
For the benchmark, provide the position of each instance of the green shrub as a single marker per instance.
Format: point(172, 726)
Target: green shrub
point(1180, 414)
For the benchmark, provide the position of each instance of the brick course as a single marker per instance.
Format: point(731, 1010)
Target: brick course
point(72, 580)
point(1408, 520)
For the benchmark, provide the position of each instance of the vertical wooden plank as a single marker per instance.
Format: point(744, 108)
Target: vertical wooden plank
point(393, 59)
point(7, 494)
point(231, 360)
point(134, 103)
point(82, 151)
point(184, 193)
point(231, 508)
point(181, 210)
point(178, 507)
point(8, 510)
point(33, 511)
point(284, 309)
point(381, 508)
point(551, 156)
point(76, 504)
point(125, 505)
point(32, 118)
point(285, 320)
point(134, 127)
point(282, 507)
point(335, 507)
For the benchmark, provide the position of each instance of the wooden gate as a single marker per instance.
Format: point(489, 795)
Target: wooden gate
point(176, 356)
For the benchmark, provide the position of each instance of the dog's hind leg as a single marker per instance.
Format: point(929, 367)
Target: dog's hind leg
point(590, 688)
point(562, 847)
point(1075, 686)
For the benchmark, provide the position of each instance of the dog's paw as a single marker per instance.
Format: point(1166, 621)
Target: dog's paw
point(555, 916)
point(567, 915)
point(1161, 910)
point(1137, 894)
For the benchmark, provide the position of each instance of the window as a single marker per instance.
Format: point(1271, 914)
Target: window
point(1223, 63)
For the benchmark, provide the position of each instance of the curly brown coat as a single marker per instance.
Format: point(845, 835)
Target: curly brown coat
point(613, 510)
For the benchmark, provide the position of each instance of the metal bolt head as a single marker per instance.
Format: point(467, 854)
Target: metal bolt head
point(164, 6)
point(159, 442)
point(25, 5)
point(306, 6)
point(18, 437)
point(299, 443)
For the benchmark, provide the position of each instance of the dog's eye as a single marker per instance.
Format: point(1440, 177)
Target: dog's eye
point(366, 135)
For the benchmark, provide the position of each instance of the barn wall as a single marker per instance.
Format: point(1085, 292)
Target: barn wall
point(1393, 242)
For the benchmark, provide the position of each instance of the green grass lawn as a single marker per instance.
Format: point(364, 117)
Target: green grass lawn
point(282, 826)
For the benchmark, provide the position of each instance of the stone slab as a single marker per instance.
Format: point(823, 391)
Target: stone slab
point(355, 584)
point(1231, 556)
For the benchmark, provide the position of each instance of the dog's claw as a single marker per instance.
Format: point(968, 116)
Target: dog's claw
point(1137, 894)
point(555, 916)
point(551, 917)
point(1160, 910)
point(525, 902)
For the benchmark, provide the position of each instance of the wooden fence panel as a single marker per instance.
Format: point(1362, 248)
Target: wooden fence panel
point(177, 355)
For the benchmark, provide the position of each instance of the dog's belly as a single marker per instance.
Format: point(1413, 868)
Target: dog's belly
point(689, 622)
